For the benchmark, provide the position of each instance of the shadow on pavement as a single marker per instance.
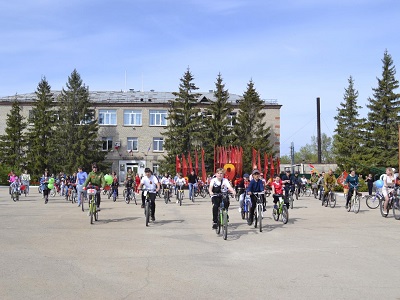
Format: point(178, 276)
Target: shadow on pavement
point(106, 221)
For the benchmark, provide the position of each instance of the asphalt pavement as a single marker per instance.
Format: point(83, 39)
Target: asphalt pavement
point(51, 251)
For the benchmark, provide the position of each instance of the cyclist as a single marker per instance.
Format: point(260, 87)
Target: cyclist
point(313, 180)
point(388, 185)
point(277, 189)
point(217, 185)
point(153, 186)
point(320, 184)
point(298, 181)
point(289, 184)
point(115, 182)
point(96, 178)
point(352, 182)
point(179, 183)
point(256, 186)
point(12, 178)
point(243, 184)
point(192, 180)
point(45, 181)
point(25, 179)
point(81, 177)
point(165, 181)
point(329, 180)
point(129, 185)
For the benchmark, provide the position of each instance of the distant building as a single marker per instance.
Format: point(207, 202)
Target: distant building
point(131, 124)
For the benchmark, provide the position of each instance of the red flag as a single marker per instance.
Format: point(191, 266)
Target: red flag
point(190, 165)
point(272, 167)
point(259, 162)
point(313, 169)
point(184, 171)
point(253, 158)
point(177, 164)
point(215, 157)
point(196, 163)
point(203, 167)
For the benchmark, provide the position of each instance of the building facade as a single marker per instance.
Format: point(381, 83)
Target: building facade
point(131, 124)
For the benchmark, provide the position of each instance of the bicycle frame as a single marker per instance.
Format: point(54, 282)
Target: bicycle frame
point(258, 211)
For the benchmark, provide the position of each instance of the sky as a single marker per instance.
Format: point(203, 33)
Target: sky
point(293, 50)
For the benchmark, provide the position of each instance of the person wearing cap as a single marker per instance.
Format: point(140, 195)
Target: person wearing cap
point(152, 185)
point(96, 178)
point(320, 184)
point(242, 186)
point(217, 185)
point(298, 182)
point(256, 185)
point(352, 182)
point(329, 182)
point(289, 182)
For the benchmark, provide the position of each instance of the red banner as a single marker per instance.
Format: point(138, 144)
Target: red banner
point(272, 167)
point(190, 165)
point(196, 163)
point(253, 158)
point(265, 165)
point(259, 162)
point(184, 166)
point(177, 164)
point(203, 167)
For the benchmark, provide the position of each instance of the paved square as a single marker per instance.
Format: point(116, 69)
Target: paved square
point(52, 252)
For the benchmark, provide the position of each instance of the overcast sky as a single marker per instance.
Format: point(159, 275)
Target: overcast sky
point(293, 50)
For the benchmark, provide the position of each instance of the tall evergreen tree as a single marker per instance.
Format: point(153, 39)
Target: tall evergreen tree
point(383, 119)
point(217, 130)
point(250, 129)
point(183, 133)
point(348, 140)
point(41, 131)
point(77, 128)
point(13, 142)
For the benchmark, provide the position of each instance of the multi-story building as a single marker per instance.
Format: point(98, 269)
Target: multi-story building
point(132, 124)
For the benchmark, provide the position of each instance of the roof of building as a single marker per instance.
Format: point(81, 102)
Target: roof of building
point(132, 96)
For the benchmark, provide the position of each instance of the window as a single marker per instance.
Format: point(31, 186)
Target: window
point(31, 116)
point(107, 143)
point(232, 117)
point(132, 144)
point(132, 117)
point(158, 144)
point(155, 168)
point(107, 117)
point(158, 118)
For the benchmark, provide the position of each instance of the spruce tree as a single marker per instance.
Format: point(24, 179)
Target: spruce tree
point(182, 132)
point(13, 142)
point(348, 140)
point(250, 129)
point(217, 130)
point(77, 129)
point(381, 146)
point(41, 130)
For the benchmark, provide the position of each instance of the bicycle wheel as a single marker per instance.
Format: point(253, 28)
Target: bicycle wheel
point(255, 218)
point(96, 213)
point(372, 201)
point(260, 211)
point(13, 196)
point(350, 204)
point(127, 198)
point(268, 193)
point(134, 197)
point(203, 193)
point(147, 212)
point(109, 194)
point(297, 196)
point(124, 193)
point(275, 214)
point(225, 224)
point(82, 201)
point(218, 230)
point(383, 212)
point(53, 192)
point(325, 199)
point(307, 193)
point(332, 200)
point(356, 207)
point(180, 199)
point(396, 210)
point(166, 197)
point(291, 201)
point(91, 210)
point(285, 214)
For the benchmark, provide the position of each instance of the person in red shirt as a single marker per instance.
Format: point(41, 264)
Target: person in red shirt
point(137, 183)
point(277, 189)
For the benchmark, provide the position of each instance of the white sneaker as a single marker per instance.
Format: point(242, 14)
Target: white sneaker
point(177, 201)
point(240, 209)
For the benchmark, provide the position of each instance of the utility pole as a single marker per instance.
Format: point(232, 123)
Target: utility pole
point(319, 131)
point(292, 156)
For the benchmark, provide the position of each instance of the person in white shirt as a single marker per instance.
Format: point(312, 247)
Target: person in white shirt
point(152, 185)
point(179, 183)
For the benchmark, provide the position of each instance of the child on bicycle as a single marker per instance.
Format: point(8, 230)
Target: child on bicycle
point(129, 185)
point(277, 190)
point(179, 183)
point(217, 185)
point(241, 189)
point(152, 185)
point(256, 186)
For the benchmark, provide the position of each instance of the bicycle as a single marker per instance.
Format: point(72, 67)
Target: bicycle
point(314, 188)
point(280, 209)
point(92, 194)
point(246, 207)
point(372, 201)
point(72, 194)
point(330, 198)
point(83, 198)
point(239, 191)
point(305, 191)
point(130, 195)
point(290, 198)
point(392, 204)
point(167, 193)
point(222, 215)
point(191, 197)
point(179, 195)
point(354, 203)
point(147, 206)
point(258, 211)
point(15, 191)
